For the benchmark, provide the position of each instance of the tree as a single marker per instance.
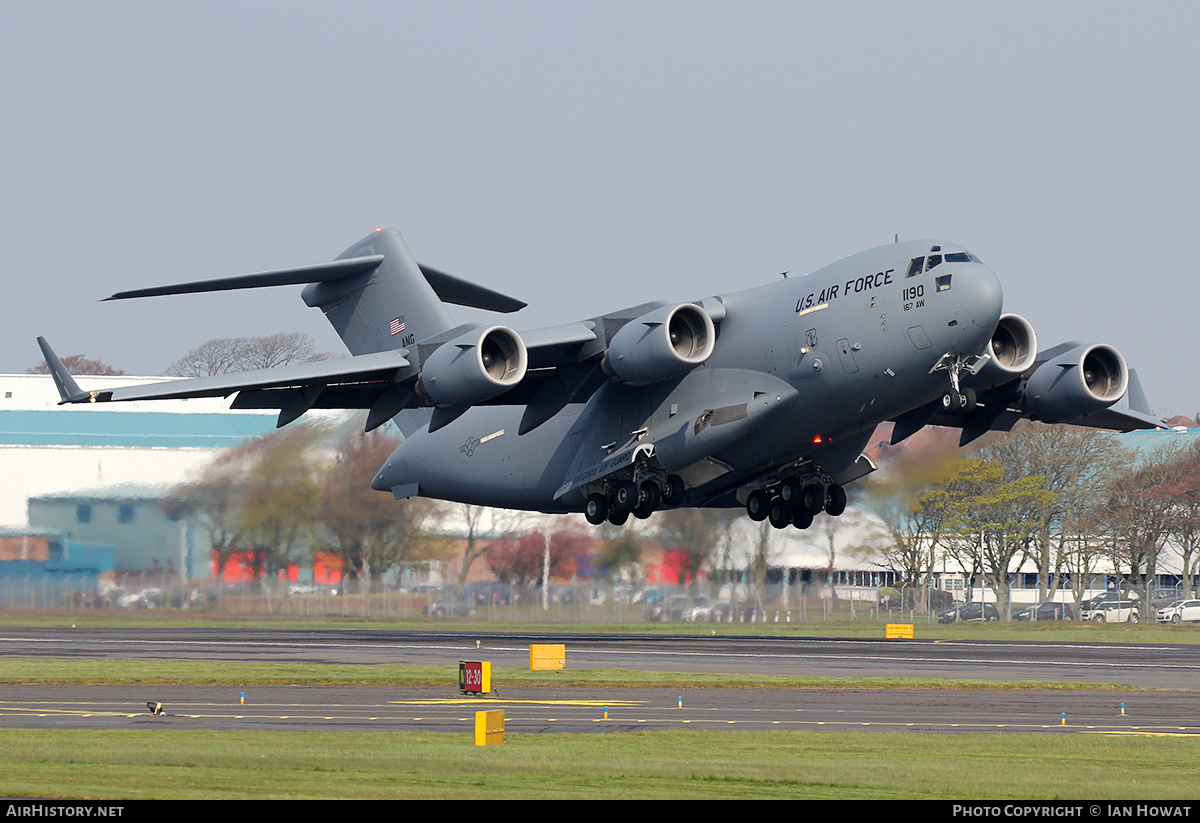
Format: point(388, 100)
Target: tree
point(282, 496)
point(215, 499)
point(481, 520)
point(370, 531)
point(520, 560)
point(991, 521)
point(695, 533)
point(1139, 516)
point(233, 354)
point(906, 495)
point(1185, 519)
point(1076, 468)
point(620, 556)
point(78, 364)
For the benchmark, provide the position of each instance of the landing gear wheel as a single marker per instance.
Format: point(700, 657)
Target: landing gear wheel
point(788, 491)
point(802, 519)
point(618, 518)
point(970, 401)
point(835, 503)
point(649, 497)
point(758, 505)
point(953, 402)
point(780, 515)
point(625, 496)
point(812, 499)
point(672, 490)
point(596, 509)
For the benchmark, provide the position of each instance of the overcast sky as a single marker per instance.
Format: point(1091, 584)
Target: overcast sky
point(589, 156)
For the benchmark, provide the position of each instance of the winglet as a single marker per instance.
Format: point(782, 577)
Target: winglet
point(68, 389)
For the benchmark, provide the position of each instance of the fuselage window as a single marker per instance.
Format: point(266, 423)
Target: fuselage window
point(915, 267)
point(933, 260)
point(942, 283)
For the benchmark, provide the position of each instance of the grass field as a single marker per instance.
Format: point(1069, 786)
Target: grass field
point(163, 763)
point(652, 765)
point(843, 628)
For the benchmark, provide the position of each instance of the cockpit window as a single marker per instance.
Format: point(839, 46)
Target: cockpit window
point(958, 257)
point(933, 260)
point(915, 267)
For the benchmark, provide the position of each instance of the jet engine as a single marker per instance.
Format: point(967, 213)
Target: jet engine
point(1079, 381)
point(665, 343)
point(472, 368)
point(1013, 349)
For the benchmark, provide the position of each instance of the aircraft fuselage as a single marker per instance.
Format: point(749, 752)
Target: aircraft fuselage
point(808, 365)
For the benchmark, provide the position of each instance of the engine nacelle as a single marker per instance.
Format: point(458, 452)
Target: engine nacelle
point(472, 368)
point(665, 343)
point(1012, 349)
point(1082, 380)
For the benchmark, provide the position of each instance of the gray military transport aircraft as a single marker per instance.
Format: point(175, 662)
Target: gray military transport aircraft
point(763, 399)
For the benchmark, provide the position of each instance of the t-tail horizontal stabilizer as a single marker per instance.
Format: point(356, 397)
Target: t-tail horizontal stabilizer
point(447, 287)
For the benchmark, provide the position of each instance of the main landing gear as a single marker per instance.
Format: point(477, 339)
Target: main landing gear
point(795, 502)
point(626, 497)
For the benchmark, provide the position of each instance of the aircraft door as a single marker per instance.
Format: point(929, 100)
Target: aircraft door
point(846, 353)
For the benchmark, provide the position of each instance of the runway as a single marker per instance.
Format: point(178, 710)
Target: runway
point(1167, 707)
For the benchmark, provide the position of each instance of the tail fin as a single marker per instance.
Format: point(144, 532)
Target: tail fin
point(390, 307)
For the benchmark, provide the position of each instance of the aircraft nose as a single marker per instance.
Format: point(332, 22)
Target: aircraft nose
point(980, 301)
point(389, 474)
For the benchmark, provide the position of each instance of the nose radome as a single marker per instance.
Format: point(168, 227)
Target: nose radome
point(981, 301)
point(391, 473)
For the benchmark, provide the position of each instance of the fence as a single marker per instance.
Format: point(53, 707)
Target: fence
point(499, 603)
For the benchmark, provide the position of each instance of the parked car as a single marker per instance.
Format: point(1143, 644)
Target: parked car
point(449, 606)
point(969, 611)
point(1046, 611)
point(1160, 598)
point(1180, 611)
point(1113, 611)
point(1094, 602)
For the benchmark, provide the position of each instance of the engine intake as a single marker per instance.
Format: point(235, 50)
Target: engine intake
point(472, 368)
point(1012, 349)
point(665, 343)
point(1082, 380)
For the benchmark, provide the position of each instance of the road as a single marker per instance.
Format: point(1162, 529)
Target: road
point(1167, 671)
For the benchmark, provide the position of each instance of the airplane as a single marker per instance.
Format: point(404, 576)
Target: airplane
point(762, 399)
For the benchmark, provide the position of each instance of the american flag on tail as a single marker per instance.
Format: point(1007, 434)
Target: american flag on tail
point(397, 325)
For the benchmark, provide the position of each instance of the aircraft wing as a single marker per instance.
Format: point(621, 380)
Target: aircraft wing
point(563, 362)
point(383, 382)
point(352, 382)
point(1001, 407)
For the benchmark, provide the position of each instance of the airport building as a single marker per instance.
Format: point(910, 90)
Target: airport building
point(99, 473)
